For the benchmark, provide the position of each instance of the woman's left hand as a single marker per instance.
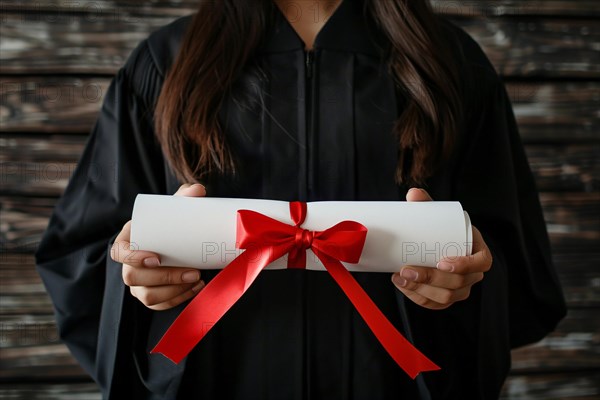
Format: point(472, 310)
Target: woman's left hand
point(439, 288)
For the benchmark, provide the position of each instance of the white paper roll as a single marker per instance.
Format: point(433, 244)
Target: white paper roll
point(200, 232)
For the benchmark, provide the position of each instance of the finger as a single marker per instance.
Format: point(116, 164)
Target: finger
point(479, 261)
point(136, 276)
point(439, 295)
point(417, 194)
point(415, 276)
point(151, 296)
point(478, 242)
point(122, 251)
point(423, 301)
point(166, 295)
point(191, 190)
point(177, 300)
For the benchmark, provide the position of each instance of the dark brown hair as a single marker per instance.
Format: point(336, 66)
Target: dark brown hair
point(222, 38)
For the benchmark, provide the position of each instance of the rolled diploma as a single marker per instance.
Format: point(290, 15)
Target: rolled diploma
point(200, 232)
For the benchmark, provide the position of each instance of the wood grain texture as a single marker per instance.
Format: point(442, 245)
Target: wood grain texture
point(58, 58)
point(491, 8)
point(565, 386)
point(26, 320)
point(572, 219)
point(34, 44)
point(540, 47)
point(556, 112)
point(27, 330)
point(41, 178)
point(43, 164)
point(582, 385)
point(32, 344)
point(22, 288)
point(580, 277)
point(448, 7)
point(32, 341)
point(52, 361)
point(50, 104)
point(23, 221)
point(50, 391)
point(92, 9)
point(575, 345)
point(568, 168)
point(546, 111)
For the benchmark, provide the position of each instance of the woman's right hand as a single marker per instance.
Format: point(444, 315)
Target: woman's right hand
point(158, 288)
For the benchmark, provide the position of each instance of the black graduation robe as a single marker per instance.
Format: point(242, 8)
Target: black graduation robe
point(323, 134)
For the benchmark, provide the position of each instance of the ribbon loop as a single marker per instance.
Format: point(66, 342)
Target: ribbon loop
point(342, 242)
point(298, 212)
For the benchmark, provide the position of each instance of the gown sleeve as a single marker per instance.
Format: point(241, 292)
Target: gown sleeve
point(519, 300)
point(121, 159)
point(496, 186)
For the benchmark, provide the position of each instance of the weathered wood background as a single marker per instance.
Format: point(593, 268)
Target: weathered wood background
point(58, 57)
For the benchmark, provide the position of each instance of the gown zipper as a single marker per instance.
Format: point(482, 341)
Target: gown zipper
point(310, 133)
point(309, 63)
point(308, 190)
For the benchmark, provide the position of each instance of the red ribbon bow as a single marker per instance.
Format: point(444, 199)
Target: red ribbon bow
point(265, 240)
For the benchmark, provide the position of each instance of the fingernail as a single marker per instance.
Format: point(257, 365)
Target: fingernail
point(198, 287)
point(190, 276)
point(201, 186)
point(151, 262)
point(445, 266)
point(399, 281)
point(409, 274)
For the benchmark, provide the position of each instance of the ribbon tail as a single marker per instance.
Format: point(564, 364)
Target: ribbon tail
point(297, 259)
point(411, 360)
point(213, 301)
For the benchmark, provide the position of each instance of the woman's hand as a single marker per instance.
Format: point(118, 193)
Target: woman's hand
point(158, 288)
point(439, 288)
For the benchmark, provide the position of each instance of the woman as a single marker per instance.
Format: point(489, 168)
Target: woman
point(388, 97)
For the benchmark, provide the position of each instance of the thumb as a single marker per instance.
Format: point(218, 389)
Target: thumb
point(188, 190)
point(417, 194)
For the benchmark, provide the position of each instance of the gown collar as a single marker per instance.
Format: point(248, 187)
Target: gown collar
point(349, 28)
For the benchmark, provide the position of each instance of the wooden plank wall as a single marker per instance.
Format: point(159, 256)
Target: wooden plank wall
point(57, 58)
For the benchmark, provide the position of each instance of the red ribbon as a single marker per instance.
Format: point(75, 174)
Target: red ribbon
point(265, 240)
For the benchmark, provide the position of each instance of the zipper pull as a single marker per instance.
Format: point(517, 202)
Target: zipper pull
point(309, 63)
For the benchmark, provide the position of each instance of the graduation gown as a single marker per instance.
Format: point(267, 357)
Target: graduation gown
point(316, 130)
